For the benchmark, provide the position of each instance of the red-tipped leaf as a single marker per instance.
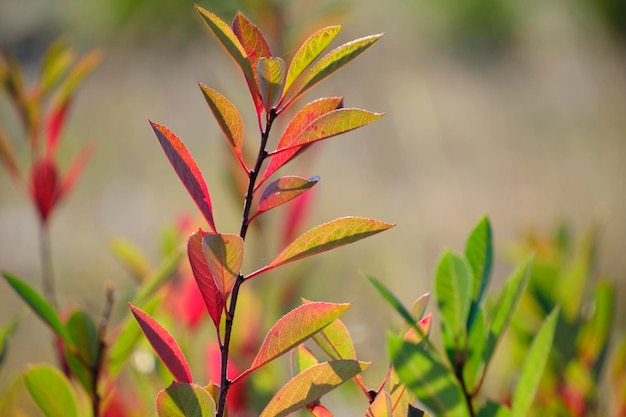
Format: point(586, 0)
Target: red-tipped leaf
point(210, 293)
point(187, 170)
point(164, 345)
point(283, 190)
point(224, 256)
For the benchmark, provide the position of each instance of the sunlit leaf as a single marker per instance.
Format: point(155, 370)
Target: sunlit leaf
point(479, 253)
point(40, 306)
point(325, 237)
point(310, 49)
point(301, 358)
point(311, 384)
point(381, 407)
point(283, 190)
point(77, 74)
point(184, 400)
point(318, 410)
point(300, 121)
point(428, 379)
point(56, 61)
point(533, 367)
point(52, 391)
point(328, 125)
point(228, 118)
point(334, 60)
point(335, 341)
point(164, 345)
point(224, 256)
point(211, 295)
point(187, 170)
point(271, 73)
point(424, 325)
point(294, 328)
point(233, 46)
point(130, 256)
point(401, 397)
point(477, 341)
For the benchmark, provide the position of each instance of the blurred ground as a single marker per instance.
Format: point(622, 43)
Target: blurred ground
point(525, 122)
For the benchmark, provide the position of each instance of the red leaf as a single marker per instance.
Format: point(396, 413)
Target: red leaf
point(187, 170)
point(44, 187)
point(54, 125)
point(210, 293)
point(164, 345)
point(284, 190)
point(224, 256)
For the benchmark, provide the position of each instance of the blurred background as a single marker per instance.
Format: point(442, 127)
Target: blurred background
point(507, 108)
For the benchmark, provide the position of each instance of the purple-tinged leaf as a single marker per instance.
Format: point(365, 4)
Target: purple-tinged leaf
point(210, 293)
point(310, 49)
point(301, 120)
point(294, 328)
point(187, 170)
point(311, 384)
point(164, 345)
point(328, 125)
point(228, 118)
point(224, 256)
point(271, 73)
point(184, 400)
point(283, 190)
point(52, 391)
point(325, 237)
point(381, 407)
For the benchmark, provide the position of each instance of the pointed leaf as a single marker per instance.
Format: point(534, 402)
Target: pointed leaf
point(229, 41)
point(55, 63)
point(533, 367)
point(164, 345)
point(335, 341)
point(310, 385)
point(7, 156)
point(328, 125)
point(381, 407)
point(271, 73)
point(294, 328)
point(325, 237)
point(224, 256)
point(310, 49)
point(210, 293)
point(334, 60)
point(427, 378)
point(77, 74)
point(73, 173)
point(130, 256)
point(52, 391)
point(228, 118)
point(479, 253)
point(424, 326)
point(187, 170)
point(301, 358)
point(184, 400)
point(283, 190)
point(40, 306)
point(301, 120)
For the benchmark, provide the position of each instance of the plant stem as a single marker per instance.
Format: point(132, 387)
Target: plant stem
point(47, 272)
point(97, 368)
point(247, 207)
point(458, 371)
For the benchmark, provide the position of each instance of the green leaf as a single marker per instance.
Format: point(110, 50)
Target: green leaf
point(427, 378)
point(283, 190)
point(491, 409)
point(310, 49)
point(475, 364)
point(224, 255)
point(533, 367)
point(84, 333)
point(130, 256)
point(40, 306)
point(51, 391)
point(271, 73)
point(594, 334)
point(311, 384)
point(5, 333)
point(326, 126)
point(479, 253)
point(301, 358)
point(335, 60)
point(184, 400)
point(381, 407)
point(454, 284)
point(325, 237)
point(335, 341)
point(228, 118)
point(55, 63)
point(294, 328)
point(77, 74)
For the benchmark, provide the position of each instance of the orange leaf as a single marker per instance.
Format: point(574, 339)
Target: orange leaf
point(283, 190)
point(224, 256)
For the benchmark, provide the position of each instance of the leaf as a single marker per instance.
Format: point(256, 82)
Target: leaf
point(51, 391)
point(164, 345)
point(427, 378)
point(325, 237)
point(55, 63)
point(326, 126)
point(224, 256)
point(74, 171)
point(381, 407)
point(318, 410)
point(184, 400)
point(424, 326)
point(7, 156)
point(83, 331)
point(187, 170)
point(301, 358)
point(130, 256)
point(335, 341)
point(491, 409)
point(271, 73)
point(228, 118)
point(593, 337)
point(533, 367)
point(161, 274)
point(210, 293)
point(5, 333)
point(477, 339)
point(479, 254)
point(77, 74)
point(300, 121)
point(294, 328)
point(40, 306)
point(310, 49)
point(311, 384)
point(334, 60)
point(229, 41)
point(283, 190)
